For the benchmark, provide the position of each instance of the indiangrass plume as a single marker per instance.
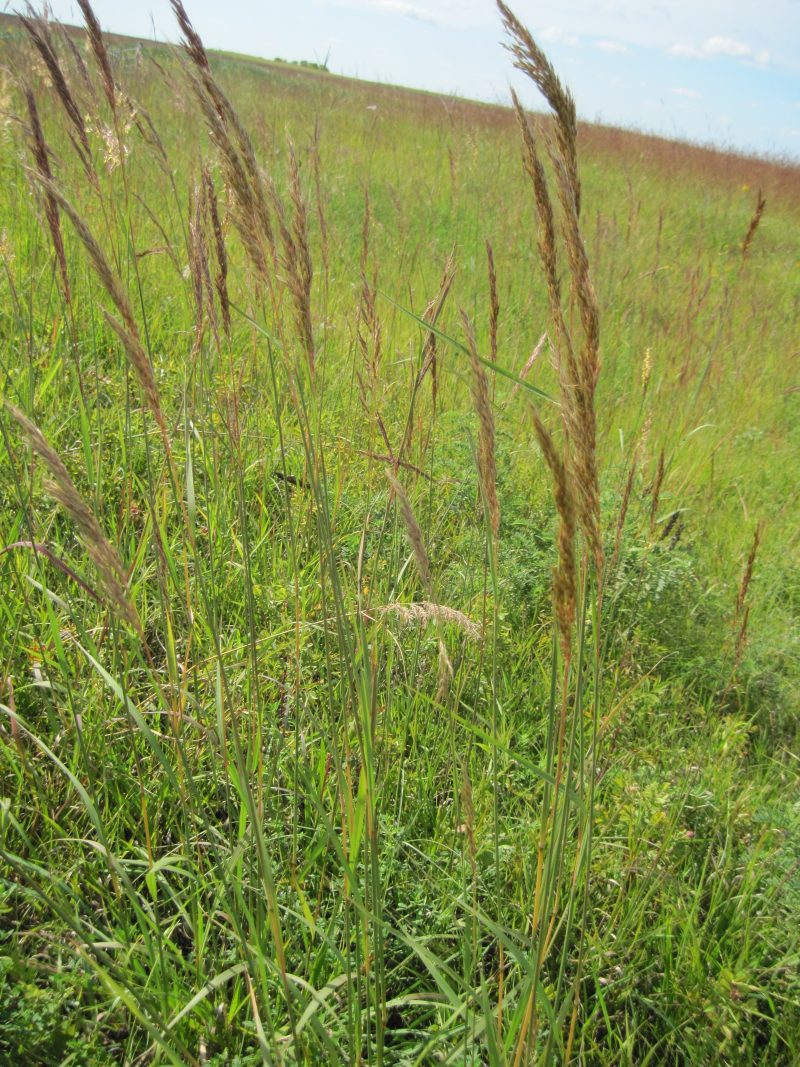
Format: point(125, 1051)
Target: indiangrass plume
point(413, 532)
point(102, 553)
point(431, 315)
point(254, 196)
point(78, 60)
point(100, 53)
point(486, 450)
point(546, 234)
point(302, 272)
point(39, 34)
point(578, 362)
point(445, 673)
point(200, 272)
point(747, 573)
point(221, 277)
point(251, 214)
point(575, 338)
point(761, 204)
point(125, 326)
point(532, 61)
point(425, 611)
point(529, 362)
point(40, 154)
point(742, 613)
point(368, 328)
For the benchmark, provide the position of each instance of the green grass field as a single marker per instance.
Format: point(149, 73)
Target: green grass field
point(305, 755)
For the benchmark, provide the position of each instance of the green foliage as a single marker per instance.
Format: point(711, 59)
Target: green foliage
point(272, 828)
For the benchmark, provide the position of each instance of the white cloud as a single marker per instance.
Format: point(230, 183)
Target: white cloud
point(612, 46)
point(557, 35)
point(728, 47)
point(690, 93)
point(400, 7)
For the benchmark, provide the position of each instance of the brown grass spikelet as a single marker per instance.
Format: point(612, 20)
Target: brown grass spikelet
point(578, 364)
point(532, 61)
point(368, 329)
point(544, 208)
point(295, 258)
point(529, 362)
point(200, 271)
point(102, 58)
point(61, 487)
point(40, 154)
point(303, 275)
point(125, 326)
point(78, 60)
point(413, 532)
point(742, 611)
point(433, 311)
point(761, 204)
point(445, 673)
point(487, 467)
point(577, 378)
point(39, 34)
point(564, 581)
point(251, 214)
point(221, 277)
point(747, 573)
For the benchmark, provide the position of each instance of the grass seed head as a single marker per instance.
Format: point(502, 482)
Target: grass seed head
point(62, 489)
point(413, 532)
point(40, 152)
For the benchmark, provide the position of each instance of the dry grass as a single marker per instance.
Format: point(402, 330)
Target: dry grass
point(413, 532)
point(40, 156)
point(761, 204)
point(577, 359)
point(422, 612)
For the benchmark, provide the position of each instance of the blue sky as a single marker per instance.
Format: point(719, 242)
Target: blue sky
point(721, 71)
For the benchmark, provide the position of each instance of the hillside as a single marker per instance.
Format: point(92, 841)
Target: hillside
point(399, 574)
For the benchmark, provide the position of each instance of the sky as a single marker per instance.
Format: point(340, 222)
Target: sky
point(725, 72)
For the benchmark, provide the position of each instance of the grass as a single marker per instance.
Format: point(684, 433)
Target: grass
point(306, 756)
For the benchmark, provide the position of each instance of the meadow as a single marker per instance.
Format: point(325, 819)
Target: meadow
point(399, 573)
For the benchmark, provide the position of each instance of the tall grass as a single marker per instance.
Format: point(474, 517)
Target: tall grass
point(337, 753)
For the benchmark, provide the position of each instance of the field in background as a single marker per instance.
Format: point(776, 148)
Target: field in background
point(278, 795)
